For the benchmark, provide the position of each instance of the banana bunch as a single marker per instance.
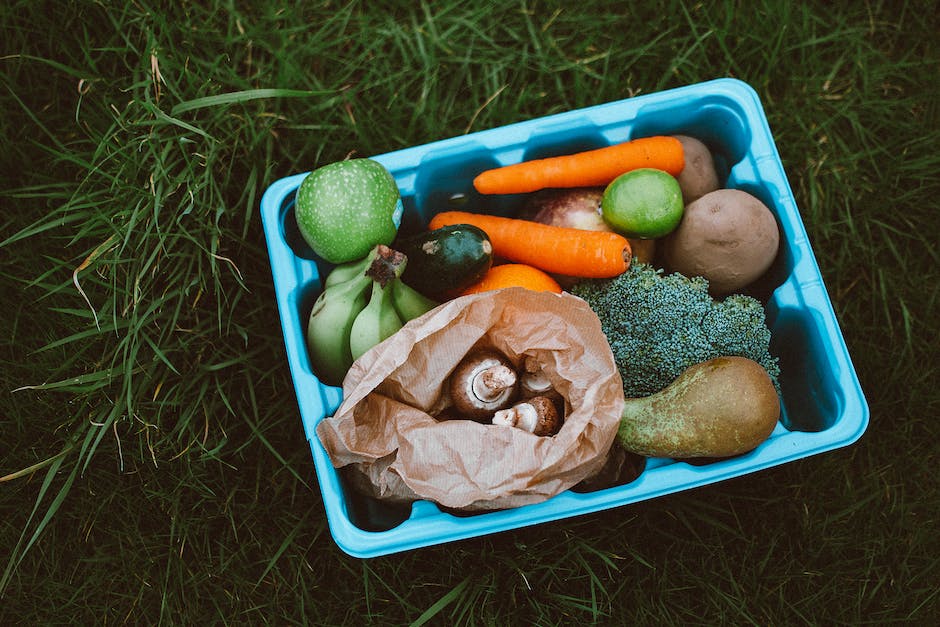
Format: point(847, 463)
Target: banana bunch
point(363, 302)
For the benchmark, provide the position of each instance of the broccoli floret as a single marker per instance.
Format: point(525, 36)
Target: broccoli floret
point(658, 325)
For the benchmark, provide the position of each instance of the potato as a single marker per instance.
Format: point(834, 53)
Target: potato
point(699, 176)
point(727, 236)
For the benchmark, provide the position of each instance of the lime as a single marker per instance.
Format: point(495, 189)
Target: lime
point(644, 203)
point(345, 209)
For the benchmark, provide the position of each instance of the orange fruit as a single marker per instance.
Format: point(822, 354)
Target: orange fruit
point(514, 275)
point(644, 203)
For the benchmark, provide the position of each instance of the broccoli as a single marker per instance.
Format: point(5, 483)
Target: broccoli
point(658, 325)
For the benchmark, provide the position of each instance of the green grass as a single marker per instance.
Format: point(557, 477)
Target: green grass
point(153, 461)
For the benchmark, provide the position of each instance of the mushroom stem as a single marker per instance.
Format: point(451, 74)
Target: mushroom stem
point(534, 382)
point(482, 383)
point(490, 383)
point(536, 415)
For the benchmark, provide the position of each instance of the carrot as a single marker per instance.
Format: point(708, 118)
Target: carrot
point(584, 169)
point(554, 249)
point(514, 275)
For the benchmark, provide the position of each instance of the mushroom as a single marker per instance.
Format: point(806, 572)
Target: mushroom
point(536, 415)
point(534, 382)
point(483, 383)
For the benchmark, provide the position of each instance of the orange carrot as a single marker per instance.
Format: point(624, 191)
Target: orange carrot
point(584, 169)
point(554, 249)
point(514, 275)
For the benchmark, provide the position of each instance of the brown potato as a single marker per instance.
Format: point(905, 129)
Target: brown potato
point(699, 176)
point(727, 236)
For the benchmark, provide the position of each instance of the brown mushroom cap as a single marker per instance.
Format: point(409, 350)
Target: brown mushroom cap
point(549, 422)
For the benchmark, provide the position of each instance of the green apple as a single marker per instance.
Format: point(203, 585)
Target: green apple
point(345, 209)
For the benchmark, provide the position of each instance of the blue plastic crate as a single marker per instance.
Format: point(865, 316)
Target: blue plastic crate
point(823, 405)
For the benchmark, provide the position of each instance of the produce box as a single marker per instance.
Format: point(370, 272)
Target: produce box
point(823, 406)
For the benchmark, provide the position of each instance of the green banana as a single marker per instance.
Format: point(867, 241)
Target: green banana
point(329, 327)
point(377, 321)
point(348, 318)
point(350, 270)
point(408, 302)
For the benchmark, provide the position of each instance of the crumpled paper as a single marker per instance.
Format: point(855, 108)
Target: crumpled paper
point(385, 437)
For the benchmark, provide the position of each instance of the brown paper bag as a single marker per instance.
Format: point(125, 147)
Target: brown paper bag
point(391, 447)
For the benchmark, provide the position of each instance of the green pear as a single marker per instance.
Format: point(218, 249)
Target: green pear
point(345, 209)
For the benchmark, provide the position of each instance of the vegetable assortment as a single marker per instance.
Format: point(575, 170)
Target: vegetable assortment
point(699, 380)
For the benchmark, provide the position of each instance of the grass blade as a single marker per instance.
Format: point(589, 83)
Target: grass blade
point(19, 551)
point(238, 97)
point(441, 603)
